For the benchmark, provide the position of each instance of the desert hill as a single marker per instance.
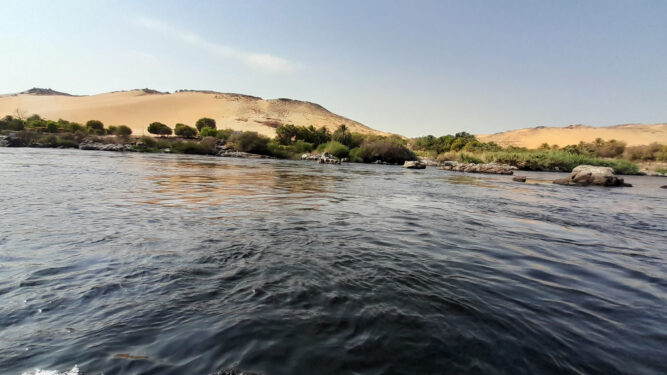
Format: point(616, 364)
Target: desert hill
point(138, 108)
point(632, 134)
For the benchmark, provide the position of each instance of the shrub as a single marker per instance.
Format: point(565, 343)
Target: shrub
point(148, 141)
point(120, 130)
point(224, 134)
point(470, 158)
point(654, 151)
point(293, 151)
point(205, 122)
point(387, 151)
point(95, 127)
point(208, 132)
point(185, 131)
point(204, 147)
point(159, 128)
point(51, 127)
point(355, 155)
point(10, 123)
point(336, 149)
point(249, 142)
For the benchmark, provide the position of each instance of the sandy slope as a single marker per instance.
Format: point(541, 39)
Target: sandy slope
point(632, 134)
point(138, 108)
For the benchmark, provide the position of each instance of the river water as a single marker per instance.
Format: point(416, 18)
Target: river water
point(124, 263)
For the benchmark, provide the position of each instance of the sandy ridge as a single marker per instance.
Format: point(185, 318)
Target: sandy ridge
point(138, 108)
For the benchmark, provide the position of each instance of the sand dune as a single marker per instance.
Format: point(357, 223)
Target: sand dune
point(632, 134)
point(138, 108)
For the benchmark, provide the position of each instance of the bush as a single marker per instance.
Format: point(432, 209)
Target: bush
point(208, 132)
point(204, 147)
point(336, 149)
point(148, 141)
point(224, 134)
point(249, 142)
point(123, 131)
point(185, 131)
point(95, 127)
point(293, 151)
point(205, 122)
point(10, 123)
point(654, 151)
point(386, 151)
point(159, 128)
point(560, 160)
point(51, 127)
point(355, 155)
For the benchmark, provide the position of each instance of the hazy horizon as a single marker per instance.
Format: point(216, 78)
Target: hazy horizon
point(431, 68)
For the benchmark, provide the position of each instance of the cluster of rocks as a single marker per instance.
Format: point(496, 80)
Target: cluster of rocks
point(416, 164)
point(3, 141)
point(585, 175)
point(327, 158)
point(490, 168)
point(323, 158)
point(99, 146)
point(243, 155)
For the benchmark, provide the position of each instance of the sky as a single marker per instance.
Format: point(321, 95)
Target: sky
point(408, 67)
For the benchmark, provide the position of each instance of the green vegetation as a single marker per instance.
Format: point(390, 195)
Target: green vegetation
point(293, 141)
point(661, 170)
point(465, 148)
point(205, 122)
point(159, 129)
point(335, 148)
point(208, 132)
point(185, 131)
point(120, 130)
point(249, 142)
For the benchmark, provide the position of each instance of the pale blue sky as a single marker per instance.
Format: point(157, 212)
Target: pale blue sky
point(410, 67)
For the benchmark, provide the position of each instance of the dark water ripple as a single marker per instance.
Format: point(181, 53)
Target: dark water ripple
point(165, 264)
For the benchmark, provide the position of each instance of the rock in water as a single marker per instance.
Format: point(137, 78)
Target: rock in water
point(327, 158)
point(414, 165)
point(585, 175)
point(519, 178)
point(490, 168)
point(663, 187)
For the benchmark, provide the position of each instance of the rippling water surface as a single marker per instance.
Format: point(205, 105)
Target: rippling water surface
point(171, 264)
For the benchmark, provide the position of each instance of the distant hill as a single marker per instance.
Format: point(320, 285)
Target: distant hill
point(138, 108)
point(632, 134)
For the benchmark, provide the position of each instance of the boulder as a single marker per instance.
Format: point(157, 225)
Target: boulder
point(489, 168)
point(519, 178)
point(585, 175)
point(416, 164)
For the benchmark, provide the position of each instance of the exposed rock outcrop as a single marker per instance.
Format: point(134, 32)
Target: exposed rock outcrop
point(229, 153)
point(490, 168)
point(585, 175)
point(416, 164)
point(519, 178)
point(91, 145)
point(327, 158)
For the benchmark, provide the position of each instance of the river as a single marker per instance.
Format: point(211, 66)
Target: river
point(129, 263)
